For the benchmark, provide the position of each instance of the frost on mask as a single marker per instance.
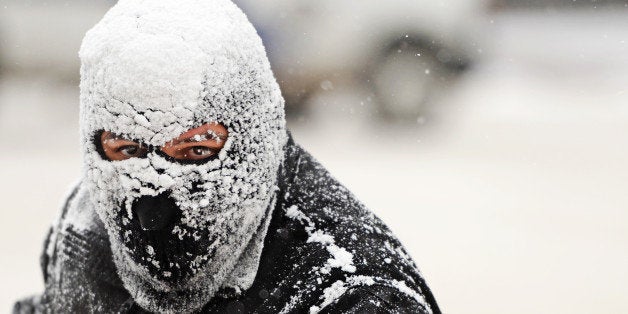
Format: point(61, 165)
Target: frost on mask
point(152, 70)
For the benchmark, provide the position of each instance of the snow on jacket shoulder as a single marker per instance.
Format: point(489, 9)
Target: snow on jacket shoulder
point(324, 252)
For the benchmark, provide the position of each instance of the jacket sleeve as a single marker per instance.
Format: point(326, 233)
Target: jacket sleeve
point(34, 304)
point(78, 271)
point(375, 299)
point(29, 305)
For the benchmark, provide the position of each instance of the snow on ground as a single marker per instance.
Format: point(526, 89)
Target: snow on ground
point(511, 196)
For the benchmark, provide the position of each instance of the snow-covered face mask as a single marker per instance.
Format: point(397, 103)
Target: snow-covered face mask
point(151, 71)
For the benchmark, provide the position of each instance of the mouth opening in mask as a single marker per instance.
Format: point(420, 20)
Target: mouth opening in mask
point(152, 236)
point(156, 214)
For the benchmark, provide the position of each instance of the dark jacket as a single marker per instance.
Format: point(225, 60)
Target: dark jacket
point(323, 251)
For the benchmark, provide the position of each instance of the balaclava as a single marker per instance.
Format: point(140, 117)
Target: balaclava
point(152, 70)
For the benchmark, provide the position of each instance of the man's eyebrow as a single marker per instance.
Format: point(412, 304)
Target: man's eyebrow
point(202, 136)
point(110, 136)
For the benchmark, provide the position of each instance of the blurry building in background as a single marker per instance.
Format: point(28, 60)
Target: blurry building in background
point(40, 37)
point(498, 5)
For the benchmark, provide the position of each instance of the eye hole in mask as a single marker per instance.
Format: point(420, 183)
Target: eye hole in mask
point(197, 145)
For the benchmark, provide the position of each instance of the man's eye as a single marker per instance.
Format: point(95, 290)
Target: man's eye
point(201, 151)
point(116, 148)
point(129, 150)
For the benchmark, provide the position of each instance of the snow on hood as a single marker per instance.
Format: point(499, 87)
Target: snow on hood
point(151, 70)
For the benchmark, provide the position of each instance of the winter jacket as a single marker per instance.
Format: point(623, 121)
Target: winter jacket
point(323, 252)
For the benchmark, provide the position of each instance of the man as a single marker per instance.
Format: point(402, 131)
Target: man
point(194, 197)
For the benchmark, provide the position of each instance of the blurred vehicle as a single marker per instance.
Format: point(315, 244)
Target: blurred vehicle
point(404, 51)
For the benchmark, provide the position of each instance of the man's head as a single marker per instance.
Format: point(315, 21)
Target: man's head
point(183, 128)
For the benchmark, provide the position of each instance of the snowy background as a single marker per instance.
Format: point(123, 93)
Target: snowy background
point(510, 193)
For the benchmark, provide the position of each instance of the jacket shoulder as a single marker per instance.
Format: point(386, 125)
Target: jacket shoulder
point(346, 250)
point(375, 299)
point(79, 274)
